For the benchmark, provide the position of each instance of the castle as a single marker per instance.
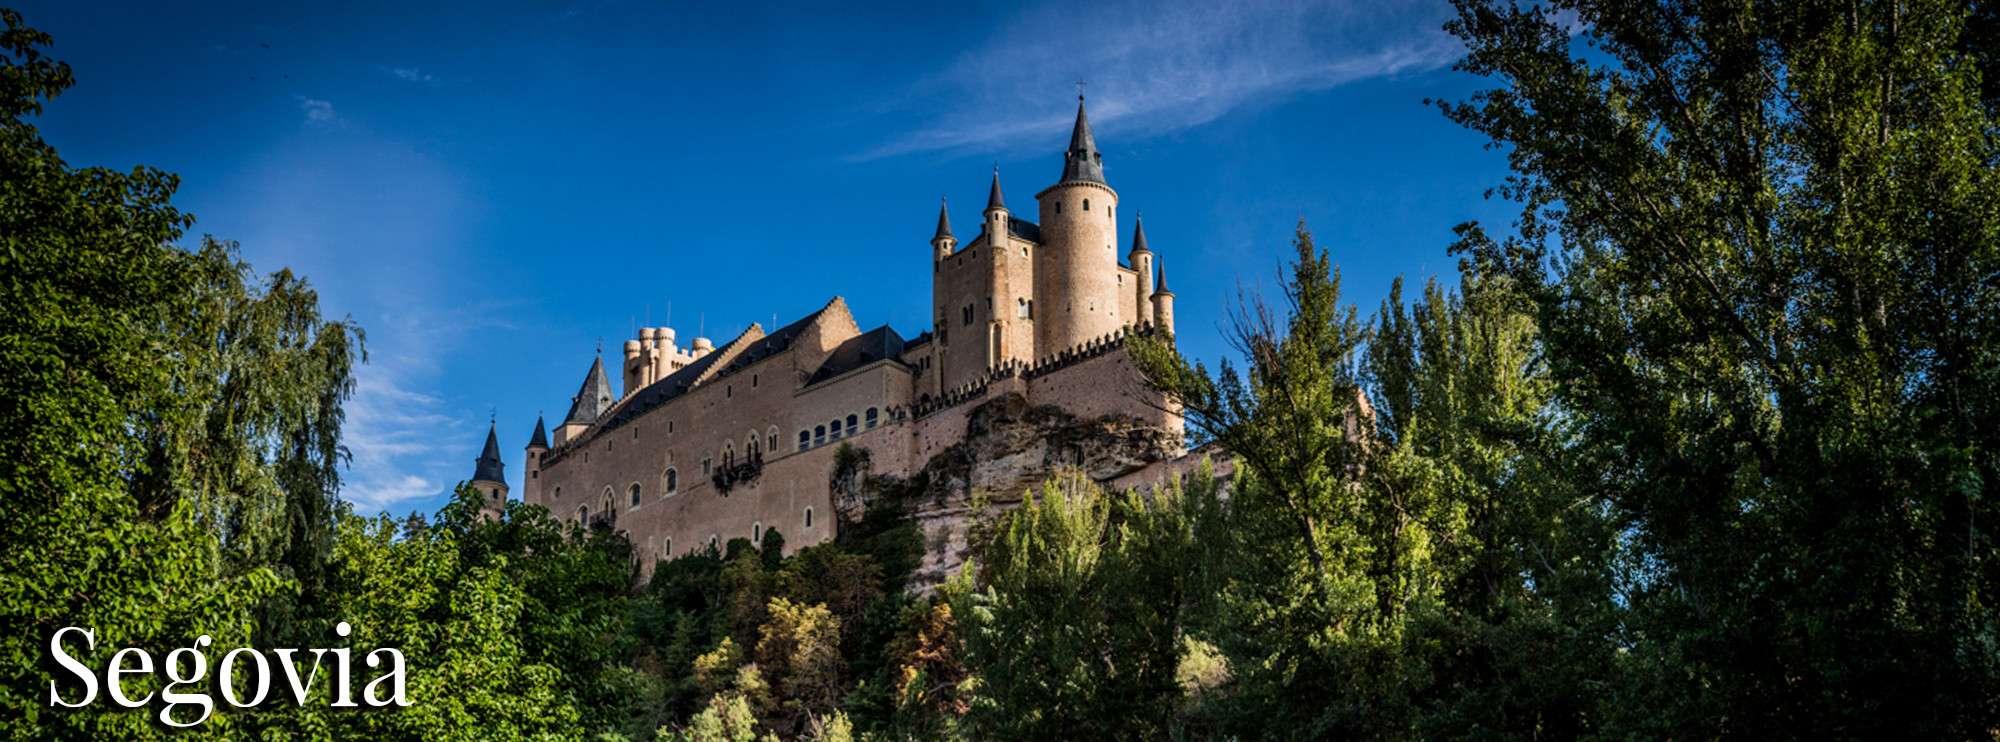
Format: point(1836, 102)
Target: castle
point(708, 443)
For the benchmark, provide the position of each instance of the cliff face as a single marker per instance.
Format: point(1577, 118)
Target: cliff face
point(1009, 448)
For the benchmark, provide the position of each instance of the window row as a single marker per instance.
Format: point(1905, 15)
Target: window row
point(839, 428)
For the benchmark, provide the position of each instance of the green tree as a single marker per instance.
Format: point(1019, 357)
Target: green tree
point(173, 427)
point(1760, 240)
point(1077, 631)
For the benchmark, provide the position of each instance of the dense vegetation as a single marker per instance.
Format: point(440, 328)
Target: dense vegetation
point(1703, 446)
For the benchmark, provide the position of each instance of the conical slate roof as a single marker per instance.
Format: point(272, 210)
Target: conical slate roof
point(593, 399)
point(489, 467)
point(944, 222)
point(1082, 161)
point(993, 200)
point(1163, 278)
point(1139, 236)
point(541, 438)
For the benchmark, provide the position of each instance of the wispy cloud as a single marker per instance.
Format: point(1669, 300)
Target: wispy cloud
point(388, 430)
point(317, 111)
point(1159, 67)
point(412, 74)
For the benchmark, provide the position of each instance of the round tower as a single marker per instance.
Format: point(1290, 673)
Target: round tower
point(531, 475)
point(1141, 260)
point(943, 243)
point(1076, 274)
point(489, 479)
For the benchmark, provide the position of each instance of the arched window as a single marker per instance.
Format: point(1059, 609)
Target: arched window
point(707, 465)
point(728, 454)
point(853, 424)
point(772, 443)
point(668, 551)
point(558, 494)
point(819, 435)
point(872, 415)
point(967, 313)
point(1058, 207)
point(583, 514)
point(809, 517)
point(834, 427)
point(805, 440)
point(673, 481)
point(714, 542)
point(757, 534)
point(635, 494)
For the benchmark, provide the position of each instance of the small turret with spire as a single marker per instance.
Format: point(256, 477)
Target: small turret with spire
point(489, 476)
point(531, 474)
point(943, 243)
point(1163, 302)
point(1141, 260)
point(996, 214)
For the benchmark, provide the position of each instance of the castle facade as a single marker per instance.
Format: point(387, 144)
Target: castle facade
point(708, 443)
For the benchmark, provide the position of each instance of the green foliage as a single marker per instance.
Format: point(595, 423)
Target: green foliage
point(1760, 242)
point(1077, 632)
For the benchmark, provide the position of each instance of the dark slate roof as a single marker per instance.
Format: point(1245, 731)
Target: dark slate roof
point(1082, 161)
point(993, 200)
point(944, 222)
point(858, 351)
point(541, 438)
point(488, 466)
point(594, 399)
point(1021, 228)
point(918, 341)
point(1162, 284)
point(1139, 236)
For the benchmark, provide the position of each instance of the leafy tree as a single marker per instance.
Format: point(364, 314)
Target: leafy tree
point(1077, 633)
point(1761, 241)
point(173, 427)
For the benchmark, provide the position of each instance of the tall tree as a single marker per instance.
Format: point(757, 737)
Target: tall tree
point(1763, 244)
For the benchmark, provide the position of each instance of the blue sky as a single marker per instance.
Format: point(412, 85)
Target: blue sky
point(490, 187)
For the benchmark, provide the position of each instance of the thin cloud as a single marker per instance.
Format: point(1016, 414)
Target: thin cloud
point(412, 74)
point(317, 111)
point(1154, 68)
point(390, 431)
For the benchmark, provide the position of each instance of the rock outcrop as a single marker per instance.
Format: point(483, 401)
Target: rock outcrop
point(1009, 448)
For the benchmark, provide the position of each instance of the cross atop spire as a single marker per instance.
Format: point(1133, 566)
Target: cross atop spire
point(1082, 161)
point(1079, 89)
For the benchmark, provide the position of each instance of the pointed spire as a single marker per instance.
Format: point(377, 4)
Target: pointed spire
point(541, 437)
point(993, 200)
point(1139, 236)
point(488, 467)
point(1162, 283)
point(1082, 161)
point(593, 399)
point(944, 222)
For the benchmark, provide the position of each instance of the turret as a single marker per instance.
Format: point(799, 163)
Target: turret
point(636, 366)
point(590, 403)
point(531, 473)
point(489, 478)
point(996, 213)
point(1077, 294)
point(1141, 260)
point(1163, 303)
point(943, 243)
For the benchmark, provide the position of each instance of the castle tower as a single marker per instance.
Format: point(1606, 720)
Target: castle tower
point(942, 244)
point(1076, 274)
point(1163, 304)
point(531, 474)
point(590, 403)
point(489, 479)
point(1141, 260)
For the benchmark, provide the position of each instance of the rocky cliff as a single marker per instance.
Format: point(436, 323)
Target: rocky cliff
point(1009, 447)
